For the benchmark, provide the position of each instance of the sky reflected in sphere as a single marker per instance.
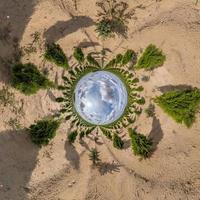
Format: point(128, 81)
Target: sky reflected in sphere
point(100, 97)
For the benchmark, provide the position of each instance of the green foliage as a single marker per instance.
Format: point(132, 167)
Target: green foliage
point(92, 61)
point(72, 136)
point(113, 18)
point(55, 54)
point(94, 156)
point(81, 135)
point(60, 99)
point(122, 59)
point(141, 101)
point(28, 79)
point(43, 131)
point(79, 55)
point(151, 58)
point(139, 89)
point(180, 105)
point(128, 56)
point(104, 28)
point(150, 110)
point(141, 145)
point(117, 141)
point(107, 133)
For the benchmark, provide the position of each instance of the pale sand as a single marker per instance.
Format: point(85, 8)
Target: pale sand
point(171, 173)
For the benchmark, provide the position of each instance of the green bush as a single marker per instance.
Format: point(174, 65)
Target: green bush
point(28, 79)
point(117, 142)
point(151, 58)
point(78, 55)
point(141, 101)
point(180, 105)
point(92, 61)
point(43, 131)
point(128, 56)
point(81, 135)
point(107, 133)
point(104, 28)
point(55, 54)
point(140, 144)
point(72, 136)
point(113, 18)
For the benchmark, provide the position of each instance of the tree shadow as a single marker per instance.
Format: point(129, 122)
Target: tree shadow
point(127, 144)
point(155, 135)
point(86, 44)
point(106, 167)
point(72, 155)
point(18, 158)
point(168, 88)
point(64, 28)
point(14, 17)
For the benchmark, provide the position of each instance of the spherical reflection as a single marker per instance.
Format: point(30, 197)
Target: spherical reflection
point(100, 97)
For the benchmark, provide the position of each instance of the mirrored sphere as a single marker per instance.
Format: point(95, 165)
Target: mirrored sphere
point(100, 97)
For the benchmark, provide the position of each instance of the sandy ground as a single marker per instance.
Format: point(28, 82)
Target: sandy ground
point(63, 172)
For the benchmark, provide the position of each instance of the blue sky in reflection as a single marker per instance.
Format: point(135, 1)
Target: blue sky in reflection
point(100, 97)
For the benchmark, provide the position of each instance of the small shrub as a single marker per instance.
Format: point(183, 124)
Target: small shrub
point(43, 131)
point(94, 156)
point(78, 55)
point(28, 79)
point(141, 145)
point(92, 61)
point(150, 110)
point(141, 101)
point(113, 18)
point(107, 133)
point(55, 54)
point(180, 105)
point(117, 142)
point(81, 135)
point(72, 136)
point(151, 58)
point(104, 28)
point(128, 56)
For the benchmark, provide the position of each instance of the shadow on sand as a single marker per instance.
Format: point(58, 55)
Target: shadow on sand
point(72, 155)
point(18, 158)
point(106, 167)
point(168, 88)
point(64, 28)
point(155, 135)
point(14, 17)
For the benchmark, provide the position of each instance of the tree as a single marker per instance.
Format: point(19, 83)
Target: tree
point(151, 58)
point(94, 156)
point(55, 54)
point(117, 141)
point(28, 79)
point(43, 131)
point(72, 136)
point(180, 105)
point(141, 145)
